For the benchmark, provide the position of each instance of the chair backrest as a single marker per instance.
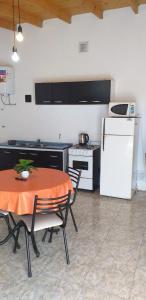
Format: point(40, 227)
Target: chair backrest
point(51, 205)
point(75, 176)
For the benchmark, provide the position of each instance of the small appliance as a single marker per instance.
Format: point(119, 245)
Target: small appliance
point(122, 109)
point(83, 138)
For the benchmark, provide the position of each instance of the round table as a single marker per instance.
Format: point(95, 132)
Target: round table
point(18, 196)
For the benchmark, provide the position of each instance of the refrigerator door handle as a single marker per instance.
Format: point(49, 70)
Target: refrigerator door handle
point(103, 134)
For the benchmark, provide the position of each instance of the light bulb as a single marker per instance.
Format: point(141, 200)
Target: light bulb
point(19, 34)
point(15, 57)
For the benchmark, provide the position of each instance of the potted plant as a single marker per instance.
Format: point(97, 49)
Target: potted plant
point(24, 167)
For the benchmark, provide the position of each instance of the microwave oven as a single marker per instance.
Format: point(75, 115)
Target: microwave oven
point(122, 109)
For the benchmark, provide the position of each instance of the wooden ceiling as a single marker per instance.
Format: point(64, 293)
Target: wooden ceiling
point(36, 11)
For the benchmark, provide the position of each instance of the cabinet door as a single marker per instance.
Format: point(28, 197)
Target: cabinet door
point(60, 92)
point(76, 93)
point(43, 93)
point(90, 92)
point(99, 91)
point(7, 159)
point(29, 154)
point(51, 159)
point(35, 156)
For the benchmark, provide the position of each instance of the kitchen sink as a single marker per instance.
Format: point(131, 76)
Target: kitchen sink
point(39, 144)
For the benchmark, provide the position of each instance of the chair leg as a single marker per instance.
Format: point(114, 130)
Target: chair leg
point(10, 230)
point(28, 254)
point(12, 218)
point(9, 227)
point(51, 234)
point(65, 245)
point(35, 245)
point(74, 222)
point(16, 241)
point(44, 236)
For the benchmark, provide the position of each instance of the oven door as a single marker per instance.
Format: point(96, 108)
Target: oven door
point(83, 163)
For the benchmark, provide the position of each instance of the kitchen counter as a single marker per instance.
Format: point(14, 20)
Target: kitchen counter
point(34, 145)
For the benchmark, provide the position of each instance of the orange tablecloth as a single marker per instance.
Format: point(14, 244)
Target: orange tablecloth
point(18, 196)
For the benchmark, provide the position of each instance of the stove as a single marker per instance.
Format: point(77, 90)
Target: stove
point(87, 159)
point(86, 150)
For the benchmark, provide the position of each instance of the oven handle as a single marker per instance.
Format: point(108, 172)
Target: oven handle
point(82, 167)
point(103, 138)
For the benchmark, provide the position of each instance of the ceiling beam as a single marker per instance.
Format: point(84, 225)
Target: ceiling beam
point(98, 11)
point(26, 17)
point(51, 8)
point(5, 23)
point(94, 7)
point(134, 6)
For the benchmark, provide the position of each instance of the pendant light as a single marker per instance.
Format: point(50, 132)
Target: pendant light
point(19, 34)
point(14, 56)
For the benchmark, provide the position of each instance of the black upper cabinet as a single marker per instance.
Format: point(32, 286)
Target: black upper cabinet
point(90, 92)
point(60, 92)
point(43, 93)
point(81, 92)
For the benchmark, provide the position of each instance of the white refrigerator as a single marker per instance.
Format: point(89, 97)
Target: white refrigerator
point(118, 175)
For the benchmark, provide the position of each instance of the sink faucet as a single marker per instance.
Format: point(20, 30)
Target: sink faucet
point(38, 142)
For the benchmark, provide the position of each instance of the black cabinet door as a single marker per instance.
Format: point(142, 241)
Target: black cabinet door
point(76, 93)
point(43, 93)
point(28, 154)
point(90, 92)
point(99, 91)
point(51, 159)
point(7, 159)
point(60, 92)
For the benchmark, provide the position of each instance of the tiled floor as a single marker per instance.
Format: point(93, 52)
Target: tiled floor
point(108, 256)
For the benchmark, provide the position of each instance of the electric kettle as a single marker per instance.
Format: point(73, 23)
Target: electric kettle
point(83, 138)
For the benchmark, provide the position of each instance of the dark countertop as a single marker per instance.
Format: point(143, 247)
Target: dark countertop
point(39, 145)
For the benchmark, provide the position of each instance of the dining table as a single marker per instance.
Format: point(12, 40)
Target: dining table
point(17, 196)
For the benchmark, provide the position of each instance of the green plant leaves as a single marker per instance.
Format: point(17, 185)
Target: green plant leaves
point(24, 165)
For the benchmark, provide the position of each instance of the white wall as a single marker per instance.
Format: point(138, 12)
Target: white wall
point(117, 49)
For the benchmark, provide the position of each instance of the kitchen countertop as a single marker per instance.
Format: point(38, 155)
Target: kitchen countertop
point(36, 145)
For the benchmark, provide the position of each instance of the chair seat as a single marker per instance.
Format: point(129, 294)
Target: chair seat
point(42, 221)
point(71, 199)
point(4, 212)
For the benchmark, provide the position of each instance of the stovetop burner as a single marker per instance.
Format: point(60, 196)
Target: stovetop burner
point(86, 147)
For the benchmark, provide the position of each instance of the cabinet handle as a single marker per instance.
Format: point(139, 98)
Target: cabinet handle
point(34, 154)
point(58, 101)
point(83, 101)
point(23, 153)
point(96, 101)
point(46, 101)
point(53, 166)
point(54, 156)
point(7, 152)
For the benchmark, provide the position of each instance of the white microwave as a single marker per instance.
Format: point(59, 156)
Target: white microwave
point(122, 109)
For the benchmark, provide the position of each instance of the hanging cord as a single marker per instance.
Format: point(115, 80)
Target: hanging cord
point(19, 11)
point(13, 20)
